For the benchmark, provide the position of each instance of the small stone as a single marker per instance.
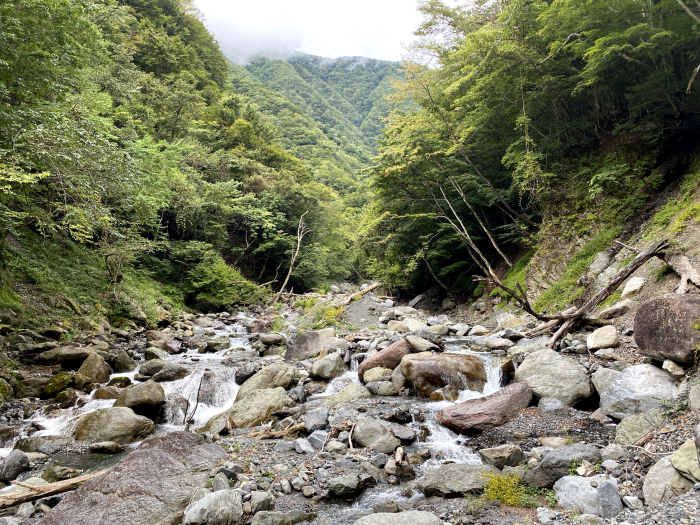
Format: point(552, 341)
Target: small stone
point(302, 446)
point(308, 491)
point(672, 368)
point(605, 337)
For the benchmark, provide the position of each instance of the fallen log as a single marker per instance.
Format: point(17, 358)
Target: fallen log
point(361, 293)
point(268, 433)
point(43, 491)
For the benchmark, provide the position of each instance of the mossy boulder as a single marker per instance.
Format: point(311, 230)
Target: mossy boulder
point(57, 383)
point(6, 391)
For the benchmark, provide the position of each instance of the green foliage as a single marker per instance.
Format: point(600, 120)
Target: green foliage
point(516, 274)
point(677, 212)
point(575, 465)
point(216, 285)
point(323, 316)
point(509, 489)
point(305, 302)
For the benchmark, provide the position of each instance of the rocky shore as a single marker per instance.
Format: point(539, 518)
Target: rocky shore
point(415, 414)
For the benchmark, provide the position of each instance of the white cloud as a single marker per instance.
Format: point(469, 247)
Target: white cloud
point(328, 28)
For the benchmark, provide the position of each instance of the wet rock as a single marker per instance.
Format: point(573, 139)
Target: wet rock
point(120, 382)
point(454, 479)
point(152, 367)
point(31, 386)
point(446, 393)
point(389, 358)
point(171, 372)
point(278, 374)
point(58, 473)
point(638, 389)
point(418, 344)
point(382, 388)
point(119, 424)
point(347, 485)
point(370, 433)
point(44, 444)
point(487, 412)
point(13, 465)
point(144, 399)
point(162, 341)
point(329, 367)
point(292, 517)
point(94, 370)
point(557, 463)
point(657, 483)
point(635, 427)
point(685, 461)
point(550, 374)
point(603, 378)
point(153, 353)
point(151, 486)
point(106, 392)
point(350, 393)
point(58, 382)
point(252, 411)
point(106, 447)
point(505, 455)
point(427, 372)
point(123, 363)
point(412, 517)
point(664, 327)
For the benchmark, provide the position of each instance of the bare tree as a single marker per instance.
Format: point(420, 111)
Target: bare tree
point(302, 230)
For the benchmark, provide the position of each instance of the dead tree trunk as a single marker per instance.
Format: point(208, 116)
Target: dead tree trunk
point(42, 491)
point(302, 230)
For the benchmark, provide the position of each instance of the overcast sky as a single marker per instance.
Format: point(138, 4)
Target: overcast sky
point(328, 28)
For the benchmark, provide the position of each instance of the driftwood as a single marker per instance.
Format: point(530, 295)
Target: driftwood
point(361, 293)
point(268, 433)
point(43, 491)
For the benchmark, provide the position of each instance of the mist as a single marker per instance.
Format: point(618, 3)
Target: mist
point(378, 29)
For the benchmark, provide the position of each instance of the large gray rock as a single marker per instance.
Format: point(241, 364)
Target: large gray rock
point(350, 393)
point(152, 367)
point(252, 411)
point(305, 347)
point(13, 465)
point(223, 507)
point(370, 433)
point(557, 463)
point(657, 483)
point(503, 456)
point(603, 378)
point(665, 327)
point(685, 461)
point(329, 367)
point(144, 399)
point(69, 357)
point(411, 517)
point(550, 374)
point(487, 412)
point(151, 486)
point(576, 494)
point(316, 419)
point(347, 485)
point(428, 372)
point(632, 428)
point(293, 517)
point(171, 372)
point(278, 374)
point(455, 479)
point(389, 358)
point(418, 344)
point(638, 389)
point(44, 444)
point(119, 424)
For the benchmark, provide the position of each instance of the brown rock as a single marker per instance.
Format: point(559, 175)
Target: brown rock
point(163, 341)
point(428, 372)
point(665, 327)
point(93, 370)
point(390, 358)
point(487, 412)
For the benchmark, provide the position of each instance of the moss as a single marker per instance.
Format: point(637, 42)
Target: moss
point(6, 391)
point(58, 383)
point(676, 212)
point(516, 274)
point(509, 490)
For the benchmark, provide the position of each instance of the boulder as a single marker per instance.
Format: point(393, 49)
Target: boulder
point(144, 399)
point(603, 378)
point(44, 444)
point(278, 374)
point(162, 341)
point(550, 374)
point(152, 367)
point(487, 412)
point(633, 287)
point(106, 447)
point(31, 386)
point(350, 393)
point(418, 344)
point(306, 346)
point(252, 411)
point(223, 507)
point(390, 358)
point(575, 493)
point(503, 456)
point(329, 367)
point(273, 339)
point(69, 357)
point(617, 310)
point(411, 517)
point(6, 391)
point(374, 374)
point(316, 419)
point(94, 370)
point(657, 483)
point(122, 362)
point(347, 485)
point(634, 427)
point(638, 389)
point(119, 424)
point(414, 324)
point(151, 486)
point(665, 327)
point(58, 382)
point(106, 392)
point(293, 517)
point(382, 388)
point(685, 461)
point(370, 433)
point(171, 372)
point(605, 337)
point(557, 464)
point(427, 372)
point(455, 479)
point(13, 465)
